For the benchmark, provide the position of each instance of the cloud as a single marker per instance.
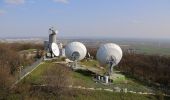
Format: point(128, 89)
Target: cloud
point(15, 2)
point(62, 1)
point(2, 12)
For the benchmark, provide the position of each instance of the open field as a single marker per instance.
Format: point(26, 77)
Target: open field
point(148, 49)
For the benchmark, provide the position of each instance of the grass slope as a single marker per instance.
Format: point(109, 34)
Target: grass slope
point(84, 79)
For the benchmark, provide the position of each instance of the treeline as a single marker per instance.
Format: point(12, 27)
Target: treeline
point(152, 68)
point(10, 61)
point(11, 57)
point(92, 51)
point(25, 46)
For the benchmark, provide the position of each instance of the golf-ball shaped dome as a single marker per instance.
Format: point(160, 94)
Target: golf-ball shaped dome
point(108, 52)
point(75, 51)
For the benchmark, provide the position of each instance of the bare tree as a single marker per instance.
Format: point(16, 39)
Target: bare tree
point(57, 78)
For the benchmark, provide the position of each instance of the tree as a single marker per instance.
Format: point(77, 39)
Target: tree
point(57, 78)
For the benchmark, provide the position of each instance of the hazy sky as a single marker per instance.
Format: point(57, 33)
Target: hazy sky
point(86, 18)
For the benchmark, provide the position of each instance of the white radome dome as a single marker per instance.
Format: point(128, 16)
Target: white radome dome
point(75, 47)
point(107, 51)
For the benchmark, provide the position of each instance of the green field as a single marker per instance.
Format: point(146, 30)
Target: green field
point(147, 49)
point(36, 76)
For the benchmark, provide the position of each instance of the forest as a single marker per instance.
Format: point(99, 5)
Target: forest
point(10, 61)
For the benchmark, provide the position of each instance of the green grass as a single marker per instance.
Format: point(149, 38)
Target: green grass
point(131, 85)
point(83, 78)
point(124, 82)
point(91, 63)
point(36, 76)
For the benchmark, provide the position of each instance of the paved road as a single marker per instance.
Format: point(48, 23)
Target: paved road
point(27, 70)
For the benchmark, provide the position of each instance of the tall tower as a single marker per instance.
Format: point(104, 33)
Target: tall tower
point(52, 36)
point(52, 39)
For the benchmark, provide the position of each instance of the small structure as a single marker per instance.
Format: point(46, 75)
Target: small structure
point(106, 79)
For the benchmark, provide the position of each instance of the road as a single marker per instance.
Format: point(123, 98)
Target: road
point(27, 70)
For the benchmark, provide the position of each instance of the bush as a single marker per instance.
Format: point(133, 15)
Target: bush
point(57, 79)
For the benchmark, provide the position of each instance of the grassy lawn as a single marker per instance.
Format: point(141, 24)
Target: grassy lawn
point(36, 76)
point(122, 82)
point(132, 85)
point(84, 78)
point(91, 63)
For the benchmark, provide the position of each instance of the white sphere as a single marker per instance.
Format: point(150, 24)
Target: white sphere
point(107, 51)
point(77, 47)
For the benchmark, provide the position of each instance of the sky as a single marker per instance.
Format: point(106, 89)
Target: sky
point(86, 18)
